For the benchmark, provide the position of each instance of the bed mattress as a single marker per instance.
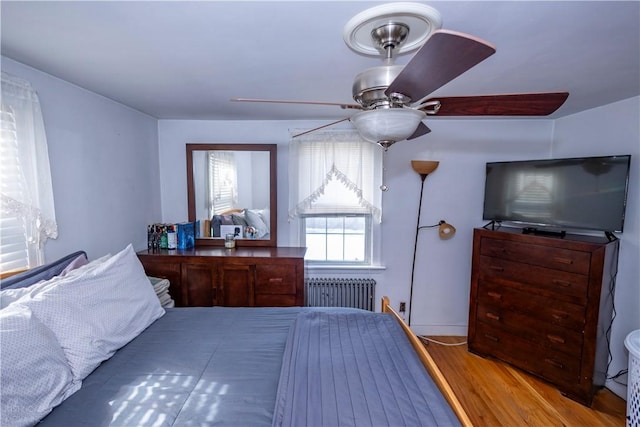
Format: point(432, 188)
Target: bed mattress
point(222, 366)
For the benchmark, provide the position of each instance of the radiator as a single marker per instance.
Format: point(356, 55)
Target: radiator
point(333, 292)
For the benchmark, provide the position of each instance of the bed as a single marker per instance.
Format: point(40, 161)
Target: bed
point(293, 366)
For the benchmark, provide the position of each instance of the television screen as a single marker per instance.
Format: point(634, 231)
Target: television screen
point(581, 193)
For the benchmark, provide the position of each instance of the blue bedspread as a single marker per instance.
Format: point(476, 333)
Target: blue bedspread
point(355, 369)
point(192, 367)
point(216, 366)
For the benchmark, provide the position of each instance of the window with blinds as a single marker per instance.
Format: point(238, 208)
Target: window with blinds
point(534, 195)
point(14, 253)
point(222, 182)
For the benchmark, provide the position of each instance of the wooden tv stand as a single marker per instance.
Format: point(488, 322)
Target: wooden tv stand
point(544, 304)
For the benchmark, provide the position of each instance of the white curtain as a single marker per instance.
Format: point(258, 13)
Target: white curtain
point(318, 158)
point(27, 192)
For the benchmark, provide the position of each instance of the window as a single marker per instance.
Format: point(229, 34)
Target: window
point(13, 243)
point(334, 194)
point(533, 195)
point(223, 182)
point(26, 198)
point(337, 238)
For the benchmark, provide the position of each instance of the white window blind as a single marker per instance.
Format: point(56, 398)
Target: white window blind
point(26, 194)
point(533, 194)
point(13, 232)
point(223, 182)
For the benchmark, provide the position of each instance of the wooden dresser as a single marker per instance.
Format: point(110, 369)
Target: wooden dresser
point(241, 277)
point(544, 304)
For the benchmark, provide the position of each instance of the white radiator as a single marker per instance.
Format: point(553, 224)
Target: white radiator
point(333, 292)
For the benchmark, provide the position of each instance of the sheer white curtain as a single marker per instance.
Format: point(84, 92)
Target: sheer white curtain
point(319, 158)
point(26, 196)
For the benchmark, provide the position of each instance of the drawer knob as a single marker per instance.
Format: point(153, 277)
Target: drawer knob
point(495, 295)
point(565, 261)
point(497, 268)
point(492, 316)
point(491, 337)
point(275, 280)
point(559, 315)
point(561, 283)
point(556, 339)
point(554, 363)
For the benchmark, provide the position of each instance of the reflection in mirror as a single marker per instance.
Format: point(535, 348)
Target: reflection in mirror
point(232, 190)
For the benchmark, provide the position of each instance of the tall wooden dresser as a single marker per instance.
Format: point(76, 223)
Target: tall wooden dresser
point(241, 277)
point(544, 304)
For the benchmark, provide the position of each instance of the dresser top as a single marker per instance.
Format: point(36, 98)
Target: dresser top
point(216, 251)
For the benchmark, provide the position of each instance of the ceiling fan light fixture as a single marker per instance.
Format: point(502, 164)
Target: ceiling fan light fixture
point(387, 125)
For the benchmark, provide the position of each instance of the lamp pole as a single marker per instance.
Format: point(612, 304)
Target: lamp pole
point(423, 168)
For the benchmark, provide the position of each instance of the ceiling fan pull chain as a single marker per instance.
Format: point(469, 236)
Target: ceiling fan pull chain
point(384, 187)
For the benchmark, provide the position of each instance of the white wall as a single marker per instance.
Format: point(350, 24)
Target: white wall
point(104, 167)
point(613, 129)
point(453, 192)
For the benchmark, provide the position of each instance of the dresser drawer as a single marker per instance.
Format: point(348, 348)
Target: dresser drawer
point(552, 365)
point(538, 280)
point(275, 279)
point(547, 335)
point(549, 257)
point(544, 309)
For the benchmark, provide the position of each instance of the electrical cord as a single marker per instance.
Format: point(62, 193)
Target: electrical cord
point(423, 338)
point(612, 288)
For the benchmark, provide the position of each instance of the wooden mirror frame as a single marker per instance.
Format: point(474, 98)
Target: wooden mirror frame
point(273, 197)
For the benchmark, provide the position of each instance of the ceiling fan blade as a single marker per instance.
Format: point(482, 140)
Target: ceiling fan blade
point(442, 58)
point(320, 127)
point(286, 101)
point(422, 129)
point(523, 104)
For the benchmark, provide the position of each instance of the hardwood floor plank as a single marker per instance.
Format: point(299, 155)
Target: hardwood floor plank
point(496, 394)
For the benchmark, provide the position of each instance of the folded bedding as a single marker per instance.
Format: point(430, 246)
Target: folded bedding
point(355, 369)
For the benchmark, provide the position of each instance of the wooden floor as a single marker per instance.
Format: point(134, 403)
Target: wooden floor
point(496, 394)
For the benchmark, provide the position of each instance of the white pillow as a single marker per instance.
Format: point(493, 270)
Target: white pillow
point(255, 220)
point(95, 313)
point(35, 375)
point(8, 296)
point(265, 214)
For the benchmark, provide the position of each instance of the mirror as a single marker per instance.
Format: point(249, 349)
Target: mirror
point(232, 189)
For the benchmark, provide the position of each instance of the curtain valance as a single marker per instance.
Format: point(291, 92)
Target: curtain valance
point(319, 159)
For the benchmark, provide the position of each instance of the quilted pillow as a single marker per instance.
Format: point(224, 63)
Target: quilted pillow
point(95, 313)
point(35, 375)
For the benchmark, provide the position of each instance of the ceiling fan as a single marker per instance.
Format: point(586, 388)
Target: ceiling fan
point(394, 99)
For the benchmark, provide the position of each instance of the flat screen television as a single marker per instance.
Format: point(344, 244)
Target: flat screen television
point(587, 193)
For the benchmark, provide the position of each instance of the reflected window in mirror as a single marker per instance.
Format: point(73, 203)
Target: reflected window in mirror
point(222, 180)
point(232, 189)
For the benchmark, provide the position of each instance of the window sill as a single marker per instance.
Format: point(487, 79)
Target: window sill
point(325, 268)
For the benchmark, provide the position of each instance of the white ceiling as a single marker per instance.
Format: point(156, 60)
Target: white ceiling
point(186, 59)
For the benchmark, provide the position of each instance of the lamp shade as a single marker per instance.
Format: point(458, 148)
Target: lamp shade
point(424, 167)
point(387, 124)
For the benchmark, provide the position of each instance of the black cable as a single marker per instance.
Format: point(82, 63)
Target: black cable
point(612, 287)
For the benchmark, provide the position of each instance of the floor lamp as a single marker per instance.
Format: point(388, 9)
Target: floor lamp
point(445, 231)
